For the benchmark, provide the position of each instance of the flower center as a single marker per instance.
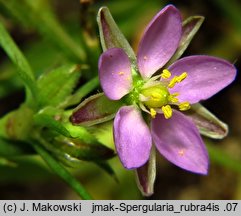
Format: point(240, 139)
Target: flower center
point(155, 97)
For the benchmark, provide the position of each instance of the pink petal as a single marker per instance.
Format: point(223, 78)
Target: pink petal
point(132, 137)
point(207, 75)
point(160, 41)
point(115, 73)
point(179, 141)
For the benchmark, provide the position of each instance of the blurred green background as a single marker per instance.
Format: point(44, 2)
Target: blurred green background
point(52, 33)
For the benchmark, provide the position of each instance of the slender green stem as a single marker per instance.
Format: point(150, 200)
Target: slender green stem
point(222, 158)
point(62, 172)
point(87, 88)
point(81, 92)
point(25, 71)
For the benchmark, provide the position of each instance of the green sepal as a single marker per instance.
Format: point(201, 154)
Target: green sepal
point(48, 121)
point(107, 168)
point(17, 124)
point(110, 34)
point(190, 27)
point(208, 124)
point(76, 142)
point(94, 110)
point(81, 150)
point(146, 175)
point(55, 86)
point(84, 137)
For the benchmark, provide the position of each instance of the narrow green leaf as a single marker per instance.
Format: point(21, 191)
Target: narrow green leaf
point(63, 173)
point(94, 110)
point(107, 168)
point(190, 27)
point(110, 34)
point(208, 124)
point(45, 120)
point(24, 69)
point(55, 86)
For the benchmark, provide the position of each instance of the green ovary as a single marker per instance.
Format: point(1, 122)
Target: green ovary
point(156, 96)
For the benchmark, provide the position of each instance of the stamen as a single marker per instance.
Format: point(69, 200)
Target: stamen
point(153, 113)
point(177, 79)
point(173, 99)
point(184, 106)
point(121, 73)
point(167, 111)
point(182, 77)
point(166, 74)
point(173, 82)
point(145, 58)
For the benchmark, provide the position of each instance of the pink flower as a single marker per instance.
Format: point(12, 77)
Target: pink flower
point(161, 98)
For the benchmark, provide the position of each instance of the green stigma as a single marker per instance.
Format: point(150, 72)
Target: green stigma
point(156, 96)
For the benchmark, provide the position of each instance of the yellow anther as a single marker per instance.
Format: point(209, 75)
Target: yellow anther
point(175, 94)
point(184, 106)
point(173, 98)
point(173, 82)
point(182, 77)
point(167, 111)
point(121, 73)
point(166, 74)
point(153, 113)
point(177, 79)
